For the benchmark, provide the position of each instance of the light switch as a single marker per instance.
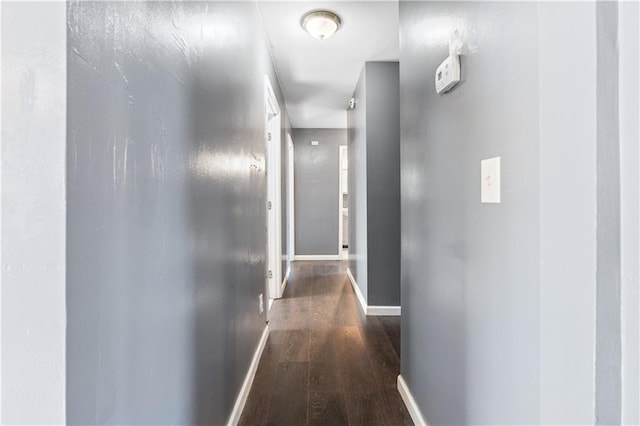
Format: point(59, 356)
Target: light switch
point(490, 184)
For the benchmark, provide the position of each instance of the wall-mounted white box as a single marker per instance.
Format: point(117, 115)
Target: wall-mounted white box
point(490, 180)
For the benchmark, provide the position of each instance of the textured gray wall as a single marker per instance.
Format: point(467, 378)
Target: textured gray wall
point(357, 147)
point(383, 183)
point(166, 209)
point(33, 213)
point(316, 190)
point(500, 301)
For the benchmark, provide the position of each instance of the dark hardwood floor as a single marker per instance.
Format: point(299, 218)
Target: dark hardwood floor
point(324, 362)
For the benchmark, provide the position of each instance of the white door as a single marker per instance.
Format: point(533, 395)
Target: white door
point(273, 208)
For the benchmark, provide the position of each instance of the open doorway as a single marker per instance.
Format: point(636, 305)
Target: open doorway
point(343, 206)
point(291, 231)
point(274, 196)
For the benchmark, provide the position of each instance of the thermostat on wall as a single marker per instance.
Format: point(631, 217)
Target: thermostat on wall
point(448, 73)
point(315, 143)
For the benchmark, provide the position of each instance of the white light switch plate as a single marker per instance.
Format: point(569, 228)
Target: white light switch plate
point(490, 184)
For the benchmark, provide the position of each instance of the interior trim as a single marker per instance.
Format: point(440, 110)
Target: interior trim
point(248, 380)
point(410, 403)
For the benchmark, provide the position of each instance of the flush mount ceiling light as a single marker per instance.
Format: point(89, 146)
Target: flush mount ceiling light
point(320, 24)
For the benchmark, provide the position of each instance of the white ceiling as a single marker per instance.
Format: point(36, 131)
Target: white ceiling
point(318, 77)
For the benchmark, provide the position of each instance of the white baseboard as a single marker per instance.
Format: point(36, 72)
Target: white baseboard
point(356, 289)
point(381, 311)
point(284, 282)
point(384, 311)
point(248, 380)
point(316, 257)
point(410, 403)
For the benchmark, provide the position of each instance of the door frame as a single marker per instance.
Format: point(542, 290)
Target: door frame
point(342, 152)
point(273, 207)
point(291, 203)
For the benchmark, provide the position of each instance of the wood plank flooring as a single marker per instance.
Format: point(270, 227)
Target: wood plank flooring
point(324, 362)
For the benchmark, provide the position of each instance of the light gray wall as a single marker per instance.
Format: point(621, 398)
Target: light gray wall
point(316, 190)
point(568, 170)
point(629, 45)
point(374, 179)
point(470, 271)
point(502, 302)
point(166, 209)
point(32, 200)
point(357, 148)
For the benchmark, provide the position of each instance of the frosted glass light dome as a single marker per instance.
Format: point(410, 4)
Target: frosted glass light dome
point(320, 24)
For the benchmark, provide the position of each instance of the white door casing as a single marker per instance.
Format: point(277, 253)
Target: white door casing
point(273, 208)
point(291, 234)
point(342, 189)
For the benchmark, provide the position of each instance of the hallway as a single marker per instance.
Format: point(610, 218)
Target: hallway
point(324, 362)
point(163, 163)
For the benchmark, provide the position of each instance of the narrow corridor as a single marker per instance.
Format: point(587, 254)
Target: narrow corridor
point(325, 363)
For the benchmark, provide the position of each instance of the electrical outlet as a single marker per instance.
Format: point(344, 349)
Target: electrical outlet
point(260, 303)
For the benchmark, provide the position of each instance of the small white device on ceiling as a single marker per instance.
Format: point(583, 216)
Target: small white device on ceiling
point(448, 74)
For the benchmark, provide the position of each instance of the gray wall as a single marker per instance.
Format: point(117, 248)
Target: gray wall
point(383, 183)
point(568, 210)
point(316, 190)
point(166, 209)
point(608, 319)
point(32, 200)
point(374, 162)
point(357, 148)
point(629, 45)
point(470, 271)
point(499, 301)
